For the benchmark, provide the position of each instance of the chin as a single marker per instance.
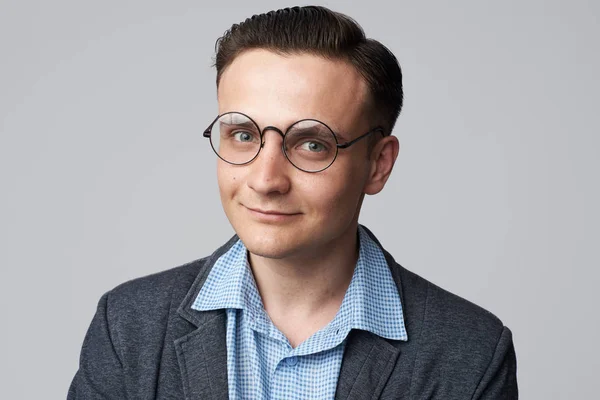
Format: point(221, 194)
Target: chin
point(271, 241)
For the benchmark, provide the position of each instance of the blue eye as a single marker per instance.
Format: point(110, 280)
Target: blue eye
point(313, 147)
point(243, 136)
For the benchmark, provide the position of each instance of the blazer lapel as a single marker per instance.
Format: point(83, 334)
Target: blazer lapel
point(202, 354)
point(366, 367)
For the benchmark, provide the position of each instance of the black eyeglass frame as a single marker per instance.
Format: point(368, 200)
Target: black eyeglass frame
point(345, 145)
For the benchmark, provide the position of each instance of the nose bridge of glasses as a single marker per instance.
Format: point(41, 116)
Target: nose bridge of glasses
point(271, 128)
point(276, 151)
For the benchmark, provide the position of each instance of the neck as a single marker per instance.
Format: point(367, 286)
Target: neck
point(307, 289)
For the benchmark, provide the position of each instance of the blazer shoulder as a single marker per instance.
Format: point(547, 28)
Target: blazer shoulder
point(444, 311)
point(426, 305)
point(130, 336)
point(466, 346)
point(155, 293)
point(451, 336)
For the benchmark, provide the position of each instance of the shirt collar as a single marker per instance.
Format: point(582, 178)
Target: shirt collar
point(229, 284)
point(371, 303)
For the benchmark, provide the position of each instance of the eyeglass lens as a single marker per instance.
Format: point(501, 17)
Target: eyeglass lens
point(308, 144)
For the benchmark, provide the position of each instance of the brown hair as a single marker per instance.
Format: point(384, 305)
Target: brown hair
point(320, 31)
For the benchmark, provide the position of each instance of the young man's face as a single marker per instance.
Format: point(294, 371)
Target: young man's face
point(276, 209)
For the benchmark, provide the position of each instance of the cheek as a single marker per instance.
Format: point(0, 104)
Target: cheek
point(228, 179)
point(336, 194)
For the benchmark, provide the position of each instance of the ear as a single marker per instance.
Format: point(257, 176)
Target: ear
point(383, 157)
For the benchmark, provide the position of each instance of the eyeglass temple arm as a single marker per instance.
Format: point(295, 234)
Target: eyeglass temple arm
point(206, 133)
point(350, 143)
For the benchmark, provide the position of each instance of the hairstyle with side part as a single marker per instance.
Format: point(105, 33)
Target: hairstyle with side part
point(322, 32)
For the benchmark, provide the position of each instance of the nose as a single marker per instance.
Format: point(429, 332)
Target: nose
point(269, 174)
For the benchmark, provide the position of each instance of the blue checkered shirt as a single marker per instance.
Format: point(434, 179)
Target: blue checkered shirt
point(261, 363)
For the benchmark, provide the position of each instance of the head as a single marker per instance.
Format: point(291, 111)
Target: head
point(293, 64)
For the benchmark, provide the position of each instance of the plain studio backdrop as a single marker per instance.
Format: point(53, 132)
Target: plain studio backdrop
point(105, 175)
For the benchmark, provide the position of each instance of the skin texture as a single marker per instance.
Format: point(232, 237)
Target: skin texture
point(303, 253)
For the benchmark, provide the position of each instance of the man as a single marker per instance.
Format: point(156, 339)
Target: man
point(303, 303)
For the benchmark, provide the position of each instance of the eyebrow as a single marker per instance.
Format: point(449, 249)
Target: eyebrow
point(341, 136)
point(338, 134)
point(320, 134)
point(243, 124)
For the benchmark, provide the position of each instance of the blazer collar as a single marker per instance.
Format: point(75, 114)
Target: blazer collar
point(366, 367)
point(202, 354)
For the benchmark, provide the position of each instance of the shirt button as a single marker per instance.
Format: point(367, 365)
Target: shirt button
point(291, 361)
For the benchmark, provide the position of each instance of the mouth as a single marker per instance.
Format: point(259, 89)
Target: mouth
point(270, 212)
point(271, 215)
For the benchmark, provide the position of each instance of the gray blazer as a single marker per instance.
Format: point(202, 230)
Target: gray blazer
point(146, 342)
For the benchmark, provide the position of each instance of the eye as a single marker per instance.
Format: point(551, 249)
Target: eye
point(313, 147)
point(243, 136)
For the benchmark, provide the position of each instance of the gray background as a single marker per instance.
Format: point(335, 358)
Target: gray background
point(105, 175)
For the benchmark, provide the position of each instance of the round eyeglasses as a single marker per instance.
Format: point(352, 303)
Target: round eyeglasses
point(308, 144)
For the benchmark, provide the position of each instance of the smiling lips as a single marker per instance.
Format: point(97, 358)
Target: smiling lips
point(270, 215)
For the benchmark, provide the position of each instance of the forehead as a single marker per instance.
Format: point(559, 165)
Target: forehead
point(280, 89)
